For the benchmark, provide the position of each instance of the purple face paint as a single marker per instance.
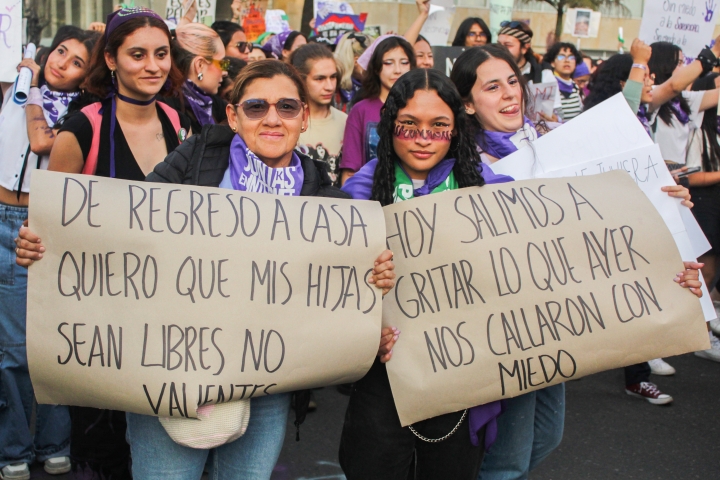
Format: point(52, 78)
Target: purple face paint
point(403, 134)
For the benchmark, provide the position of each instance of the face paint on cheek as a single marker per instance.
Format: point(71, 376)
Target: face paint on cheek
point(401, 133)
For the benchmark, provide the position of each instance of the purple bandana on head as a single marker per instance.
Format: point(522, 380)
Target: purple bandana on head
point(250, 174)
point(275, 45)
point(121, 16)
point(502, 144)
point(200, 103)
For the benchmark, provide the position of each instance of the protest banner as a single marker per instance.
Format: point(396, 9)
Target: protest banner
point(329, 28)
point(10, 39)
point(254, 24)
point(500, 11)
point(436, 28)
point(277, 21)
point(542, 96)
point(445, 58)
point(322, 8)
point(158, 298)
point(508, 288)
point(690, 25)
point(582, 23)
point(175, 9)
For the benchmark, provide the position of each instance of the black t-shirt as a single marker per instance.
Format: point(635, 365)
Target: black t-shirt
point(126, 167)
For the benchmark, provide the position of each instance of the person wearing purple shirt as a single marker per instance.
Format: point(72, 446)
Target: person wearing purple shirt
point(386, 60)
point(424, 147)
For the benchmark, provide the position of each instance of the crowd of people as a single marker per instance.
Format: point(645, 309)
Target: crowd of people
point(368, 119)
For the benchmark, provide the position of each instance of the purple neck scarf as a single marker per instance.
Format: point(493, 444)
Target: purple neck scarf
point(55, 104)
point(678, 111)
point(200, 103)
point(642, 115)
point(565, 86)
point(250, 174)
point(502, 144)
point(436, 176)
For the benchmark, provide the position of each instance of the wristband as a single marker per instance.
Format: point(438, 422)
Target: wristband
point(35, 97)
point(640, 65)
point(707, 59)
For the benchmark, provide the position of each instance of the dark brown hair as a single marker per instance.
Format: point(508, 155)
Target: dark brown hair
point(99, 81)
point(266, 69)
point(371, 87)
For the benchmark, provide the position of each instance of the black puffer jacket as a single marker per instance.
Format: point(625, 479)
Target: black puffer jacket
point(203, 159)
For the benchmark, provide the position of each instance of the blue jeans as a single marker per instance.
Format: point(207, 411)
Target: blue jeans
point(155, 456)
point(528, 431)
point(52, 430)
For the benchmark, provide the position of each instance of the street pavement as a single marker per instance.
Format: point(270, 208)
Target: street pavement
point(608, 434)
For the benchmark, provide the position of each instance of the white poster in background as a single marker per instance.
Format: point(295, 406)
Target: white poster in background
point(175, 10)
point(10, 39)
point(689, 25)
point(325, 7)
point(500, 11)
point(437, 27)
point(542, 97)
point(276, 21)
point(582, 23)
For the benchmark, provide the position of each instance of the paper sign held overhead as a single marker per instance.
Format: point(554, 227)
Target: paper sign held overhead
point(159, 298)
point(689, 25)
point(175, 10)
point(11, 47)
point(437, 27)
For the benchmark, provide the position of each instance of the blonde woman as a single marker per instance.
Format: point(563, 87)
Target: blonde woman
point(199, 53)
point(347, 52)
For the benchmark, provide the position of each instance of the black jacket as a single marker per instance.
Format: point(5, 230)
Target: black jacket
point(203, 159)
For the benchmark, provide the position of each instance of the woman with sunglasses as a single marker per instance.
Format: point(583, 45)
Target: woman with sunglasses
point(266, 115)
point(124, 136)
point(493, 90)
point(234, 38)
point(472, 32)
point(199, 54)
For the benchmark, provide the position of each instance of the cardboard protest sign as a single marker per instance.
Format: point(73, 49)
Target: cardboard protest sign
point(10, 39)
point(542, 96)
point(690, 25)
point(445, 57)
point(436, 28)
point(175, 9)
point(509, 288)
point(158, 298)
point(329, 28)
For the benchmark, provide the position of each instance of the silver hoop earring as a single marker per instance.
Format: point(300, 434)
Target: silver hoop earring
point(112, 74)
point(200, 76)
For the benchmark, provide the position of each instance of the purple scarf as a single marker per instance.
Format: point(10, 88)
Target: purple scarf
point(348, 95)
point(55, 104)
point(250, 174)
point(642, 115)
point(200, 103)
point(565, 86)
point(679, 112)
point(502, 144)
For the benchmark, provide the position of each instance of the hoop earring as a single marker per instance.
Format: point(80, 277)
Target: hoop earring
point(200, 76)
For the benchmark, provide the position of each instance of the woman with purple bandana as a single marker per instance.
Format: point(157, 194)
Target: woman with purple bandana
point(27, 135)
point(494, 93)
point(267, 113)
point(425, 147)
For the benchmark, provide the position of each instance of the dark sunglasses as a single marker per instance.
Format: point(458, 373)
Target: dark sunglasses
point(242, 46)
point(257, 108)
point(511, 24)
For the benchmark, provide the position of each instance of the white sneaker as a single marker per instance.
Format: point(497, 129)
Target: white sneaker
point(713, 353)
point(19, 471)
point(57, 465)
point(661, 367)
point(715, 325)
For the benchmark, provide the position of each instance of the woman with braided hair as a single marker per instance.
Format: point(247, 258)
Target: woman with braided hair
point(425, 147)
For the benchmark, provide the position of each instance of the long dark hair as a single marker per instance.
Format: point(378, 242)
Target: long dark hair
point(226, 30)
point(709, 127)
point(65, 33)
point(371, 80)
point(465, 27)
point(464, 75)
point(606, 81)
point(462, 146)
point(99, 81)
point(663, 61)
